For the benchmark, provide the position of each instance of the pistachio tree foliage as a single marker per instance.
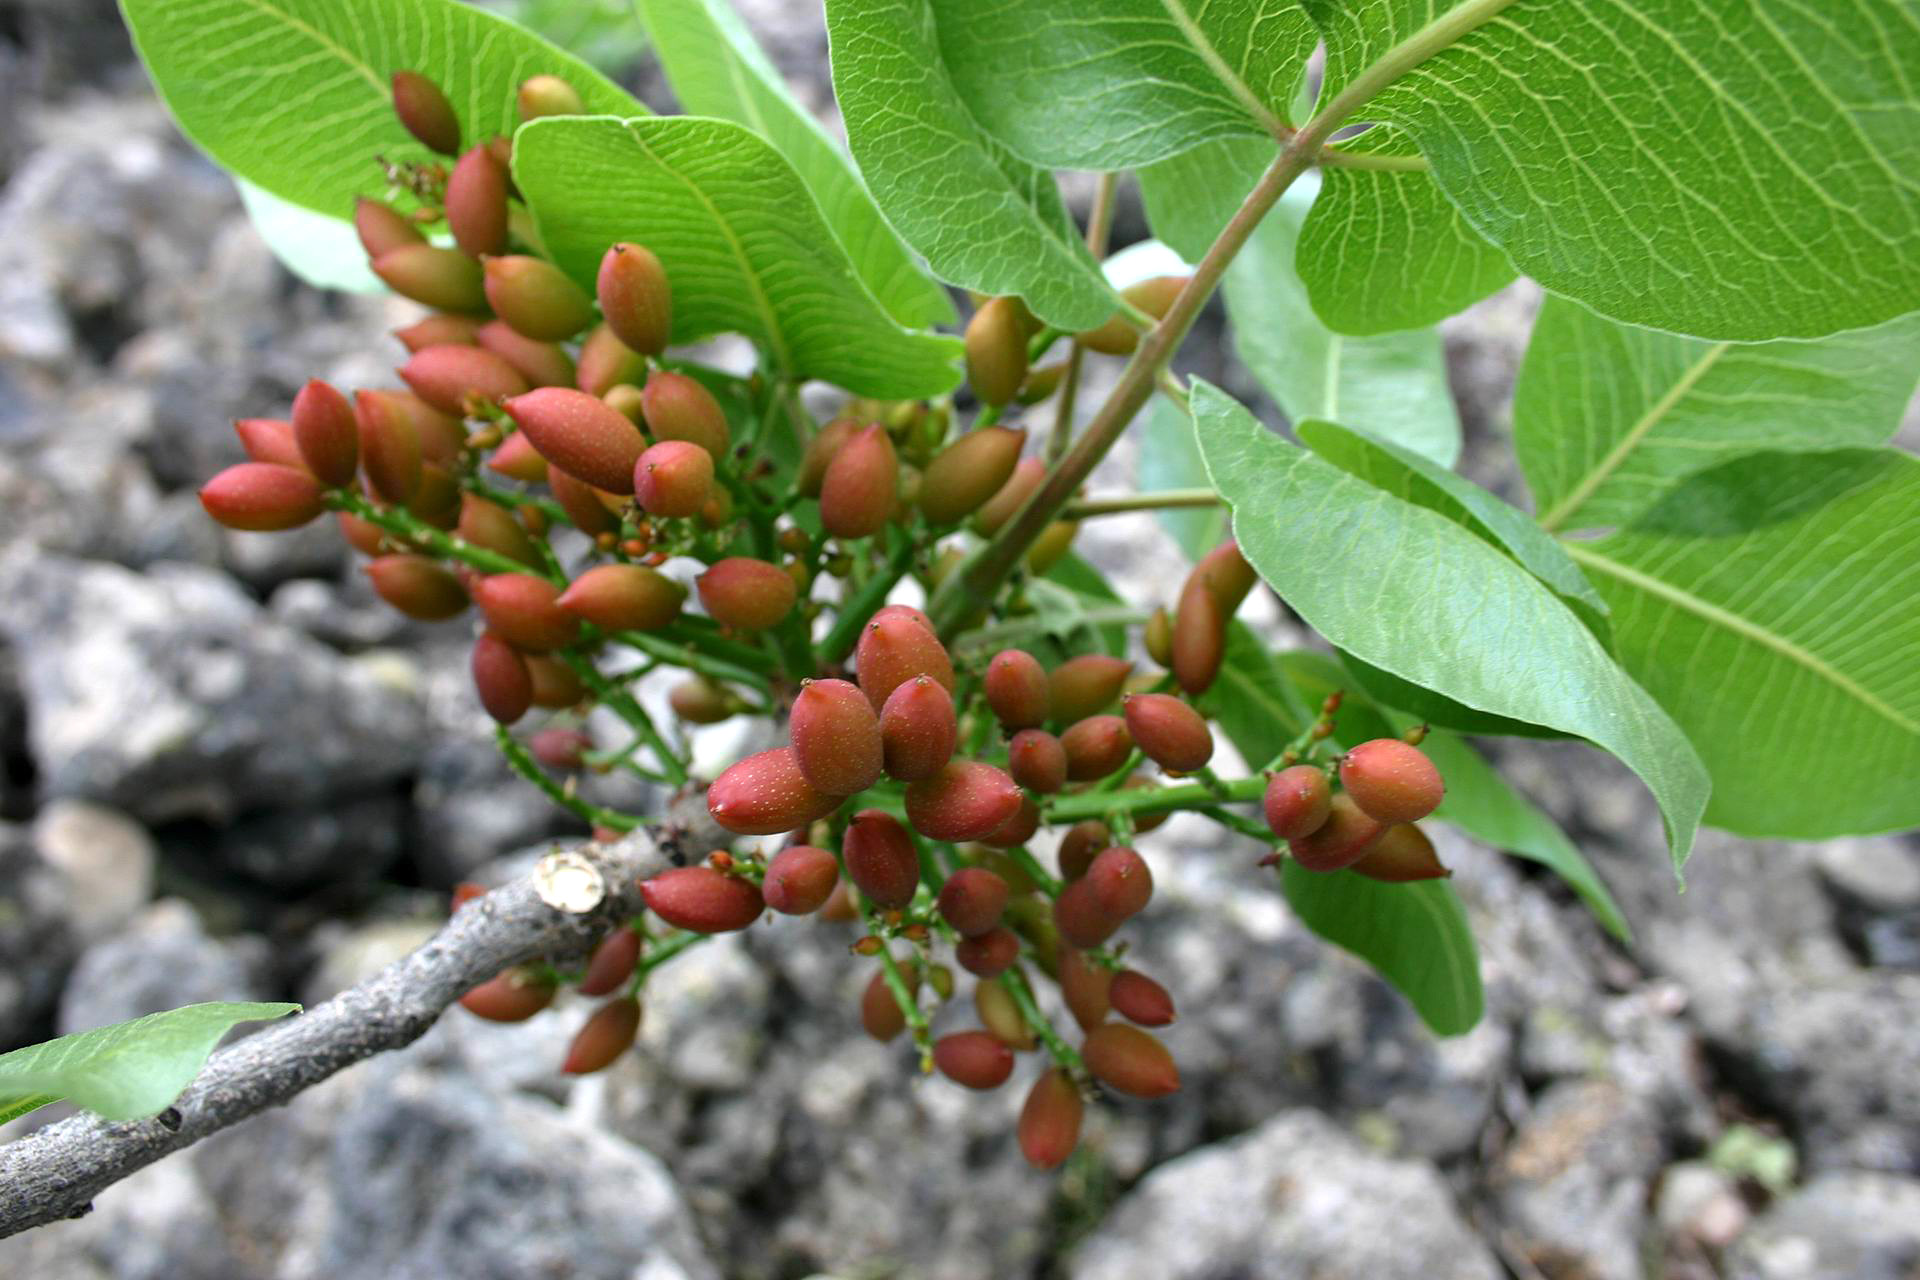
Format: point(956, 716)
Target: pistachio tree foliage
point(1718, 581)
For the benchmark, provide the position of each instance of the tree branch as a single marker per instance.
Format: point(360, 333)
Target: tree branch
point(55, 1172)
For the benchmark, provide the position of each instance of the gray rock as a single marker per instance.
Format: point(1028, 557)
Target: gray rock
point(106, 859)
point(343, 841)
point(1702, 1203)
point(37, 943)
point(1876, 889)
point(1573, 1185)
point(1293, 1200)
point(162, 959)
point(171, 695)
point(1840, 1226)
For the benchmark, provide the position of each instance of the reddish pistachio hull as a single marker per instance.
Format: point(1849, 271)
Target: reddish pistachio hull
point(1131, 1061)
point(446, 376)
point(1037, 761)
point(766, 794)
point(894, 647)
point(604, 1037)
point(918, 729)
point(580, 434)
point(972, 901)
point(510, 997)
point(800, 879)
point(636, 298)
point(673, 479)
point(702, 899)
point(501, 678)
point(1297, 801)
point(880, 859)
point(1342, 840)
point(1168, 731)
point(747, 593)
point(1049, 1126)
point(1085, 686)
point(974, 1059)
point(836, 737)
point(964, 801)
point(1139, 999)
point(1017, 689)
point(526, 611)
point(990, 954)
point(418, 587)
point(325, 433)
point(1392, 781)
point(262, 497)
point(624, 597)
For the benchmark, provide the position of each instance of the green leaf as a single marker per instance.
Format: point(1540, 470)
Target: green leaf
point(1413, 593)
point(1607, 418)
point(717, 69)
point(1170, 459)
point(1416, 935)
point(1191, 197)
point(1394, 386)
point(1091, 592)
point(1252, 698)
point(982, 218)
point(1406, 474)
point(293, 95)
point(1382, 249)
point(1732, 171)
point(1426, 706)
point(1772, 604)
point(126, 1071)
point(1123, 83)
point(317, 247)
point(743, 243)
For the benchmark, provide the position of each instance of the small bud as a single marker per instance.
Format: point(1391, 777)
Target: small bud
point(525, 611)
point(989, 954)
point(444, 279)
point(445, 376)
point(968, 472)
point(426, 113)
point(1130, 1060)
point(677, 407)
point(1170, 733)
point(1080, 846)
point(262, 497)
point(1095, 747)
point(974, 1059)
point(510, 997)
point(501, 678)
point(536, 298)
point(896, 645)
point(800, 879)
point(636, 298)
point(477, 203)
point(747, 593)
point(1297, 801)
point(517, 459)
point(996, 351)
point(417, 587)
point(702, 900)
point(325, 432)
point(1086, 685)
point(606, 363)
point(857, 494)
point(580, 434)
point(604, 1037)
point(1017, 689)
point(766, 794)
point(964, 801)
point(1140, 999)
point(699, 700)
point(972, 901)
point(1342, 840)
point(612, 963)
point(1121, 882)
point(542, 364)
point(1049, 1127)
point(623, 597)
point(1037, 761)
point(880, 858)
point(918, 730)
point(836, 736)
point(820, 453)
point(1392, 781)
point(382, 228)
point(1027, 477)
point(548, 96)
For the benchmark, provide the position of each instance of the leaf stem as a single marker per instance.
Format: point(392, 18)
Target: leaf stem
point(859, 606)
point(1166, 499)
point(527, 767)
point(1014, 983)
point(1099, 225)
point(628, 708)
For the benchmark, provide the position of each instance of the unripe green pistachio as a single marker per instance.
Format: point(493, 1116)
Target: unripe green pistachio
point(444, 279)
point(1051, 546)
point(548, 96)
point(624, 597)
point(535, 297)
point(996, 351)
point(677, 407)
point(968, 472)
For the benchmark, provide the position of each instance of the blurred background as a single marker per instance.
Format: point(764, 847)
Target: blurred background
point(227, 773)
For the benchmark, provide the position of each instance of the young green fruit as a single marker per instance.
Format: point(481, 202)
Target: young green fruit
point(1139, 999)
point(836, 736)
point(1016, 688)
point(446, 376)
point(800, 879)
point(1170, 733)
point(1051, 546)
point(623, 597)
point(698, 700)
point(1084, 985)
point(972, 901)
point(749, 594)
point(476, 203)
point(1342, 840)
point(1117, 337)
point(604, 1037)
point(262, 497)
point(1086, 685)
point(1080, 918)
point(1080, 846)
point(989, 954)
point(439, 330)
point(437, 500)
point(1120, 881)
point(325, 433)
point(1199, 638)
point(1040, 383)
point(548, 96)
point(1392, 781)
point(580, 434)
point(1158, 636)
point(510, 997)
point(1297, 801)
point(821, 451)
point(673, 479)
point(880, 1012)
point(766, 794)
point(535, 297)
point(612, 962)
point(382, 228)
point(895, 646)
point(998, 1012)
point(1028, 475)
point(1095, 747)
point(444, 279)
point(918, 729)
point(489, 525)
point(964, 801)
point(501, 678)
point(968, 472)
point(271, 441)
point(677, 407)
point(636, 298)
point(525, 611)
point(1130, 1060)
point(702, 900)
point(606, 363)
point(857, 494)
point(1037, 761)
point(417, 587)
point(426, 113)
point(1049, 1126)
point(974, 1059)
point(996, 348)
point(1402, 854)
point(880, 859)
point(542, 364)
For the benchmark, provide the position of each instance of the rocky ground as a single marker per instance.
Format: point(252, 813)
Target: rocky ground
point(228, 775)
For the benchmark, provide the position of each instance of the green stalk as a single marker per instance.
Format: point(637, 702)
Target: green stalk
point(527, 767)
point(628, 708)
point(1015, 984)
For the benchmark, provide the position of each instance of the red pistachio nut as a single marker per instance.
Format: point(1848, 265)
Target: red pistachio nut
point(702, 900)
point(636, 298)
point(262, 497)
point(766, 794)
point(836, 736)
